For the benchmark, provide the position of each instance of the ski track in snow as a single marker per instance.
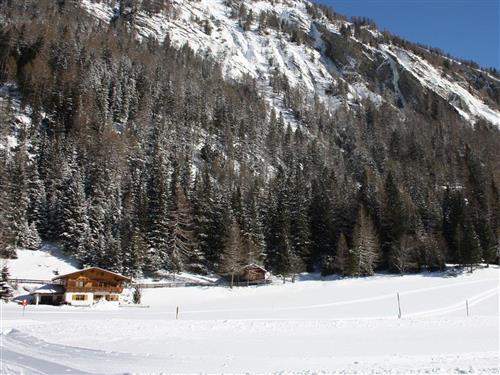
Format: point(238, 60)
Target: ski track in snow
point(444, 310)
point(301, 336)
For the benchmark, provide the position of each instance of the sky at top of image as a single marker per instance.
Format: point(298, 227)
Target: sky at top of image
point(466, 29)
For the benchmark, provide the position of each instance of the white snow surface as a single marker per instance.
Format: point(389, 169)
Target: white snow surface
point(257, 54)
point(42, 264)
point(312, 326)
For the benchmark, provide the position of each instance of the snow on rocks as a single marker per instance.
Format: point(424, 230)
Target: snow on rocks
point(470, 107)
point(260, 54)
point(251, 53)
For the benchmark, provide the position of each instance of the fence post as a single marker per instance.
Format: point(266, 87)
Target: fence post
point(467, 306)
point(177, 313)
point(399, 307)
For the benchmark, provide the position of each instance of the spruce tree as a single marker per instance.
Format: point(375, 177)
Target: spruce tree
point(74, 215)
point(394, 221)
point(470, 247)
point(7, 207)
point(6, 291)
point(158, 213)
point(322, 230)
point(299, 223)
point(29, 238)
point(253, 231)
point(184, 251)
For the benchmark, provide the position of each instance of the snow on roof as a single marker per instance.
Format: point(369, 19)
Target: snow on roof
point(92, 268)
point(49, 289)
point(254, 265)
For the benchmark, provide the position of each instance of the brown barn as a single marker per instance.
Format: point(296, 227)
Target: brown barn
point(252, 273)
point(91, 285)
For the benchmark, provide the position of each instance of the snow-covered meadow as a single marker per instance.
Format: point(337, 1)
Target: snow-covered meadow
point(311, 326)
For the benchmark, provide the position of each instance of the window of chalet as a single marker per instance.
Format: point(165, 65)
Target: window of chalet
point(79, 283)
point(79, 297)
point(112, 297)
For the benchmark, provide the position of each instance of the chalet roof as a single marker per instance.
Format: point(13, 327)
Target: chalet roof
point(49, 289)
point(253, 265)
point(117, 275)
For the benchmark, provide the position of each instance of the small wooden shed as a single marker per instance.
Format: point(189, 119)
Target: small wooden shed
point(252, 273)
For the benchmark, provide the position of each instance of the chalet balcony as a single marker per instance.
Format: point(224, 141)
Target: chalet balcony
point(94, 289)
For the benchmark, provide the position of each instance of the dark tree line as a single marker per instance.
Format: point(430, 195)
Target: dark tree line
point(141, 158)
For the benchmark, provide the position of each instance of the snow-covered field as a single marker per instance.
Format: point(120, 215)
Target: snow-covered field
point(311, 326)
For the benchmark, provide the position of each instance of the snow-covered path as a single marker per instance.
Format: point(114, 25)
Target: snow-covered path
point(310, 326)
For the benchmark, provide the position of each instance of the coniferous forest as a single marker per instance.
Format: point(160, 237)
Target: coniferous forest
point(140, 157)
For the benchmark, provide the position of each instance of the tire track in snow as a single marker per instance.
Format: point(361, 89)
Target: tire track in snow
point(474, 300)
point(347, 302)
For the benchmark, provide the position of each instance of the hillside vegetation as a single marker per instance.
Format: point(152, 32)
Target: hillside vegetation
point(339, 149)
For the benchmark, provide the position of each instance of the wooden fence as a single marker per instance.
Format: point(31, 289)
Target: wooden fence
point(32, 281)
point(151, 285)
point(171, 285)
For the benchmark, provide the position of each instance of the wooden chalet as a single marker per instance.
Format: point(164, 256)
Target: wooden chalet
point(91, 285)
point(252, 273)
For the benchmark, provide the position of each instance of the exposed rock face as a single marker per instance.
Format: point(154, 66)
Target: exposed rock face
point(317, 53)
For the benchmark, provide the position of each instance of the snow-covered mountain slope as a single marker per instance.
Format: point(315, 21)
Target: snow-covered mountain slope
point(210, 28)
point(12, 113)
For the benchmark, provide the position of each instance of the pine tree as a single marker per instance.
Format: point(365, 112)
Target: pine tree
point(202, 206)
point(133, 254)
point(184, 250)
point(233, 258)
point(403, 253)
point(322, 230)
point(470, 247)
point(299, 224)
point(74, 215)
point(279, 249)
point(253, 231)
point(37, 208)
point(19, 195)
point(6, 291)
point(113, 254)
point(29, 238)
point(158, 214)
point(394, 222)
point(366, 245)
point(7, 207)
point(341, 256)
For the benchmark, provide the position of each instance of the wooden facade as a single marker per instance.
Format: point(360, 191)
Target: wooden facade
point(252, 273)
point(90, 285)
